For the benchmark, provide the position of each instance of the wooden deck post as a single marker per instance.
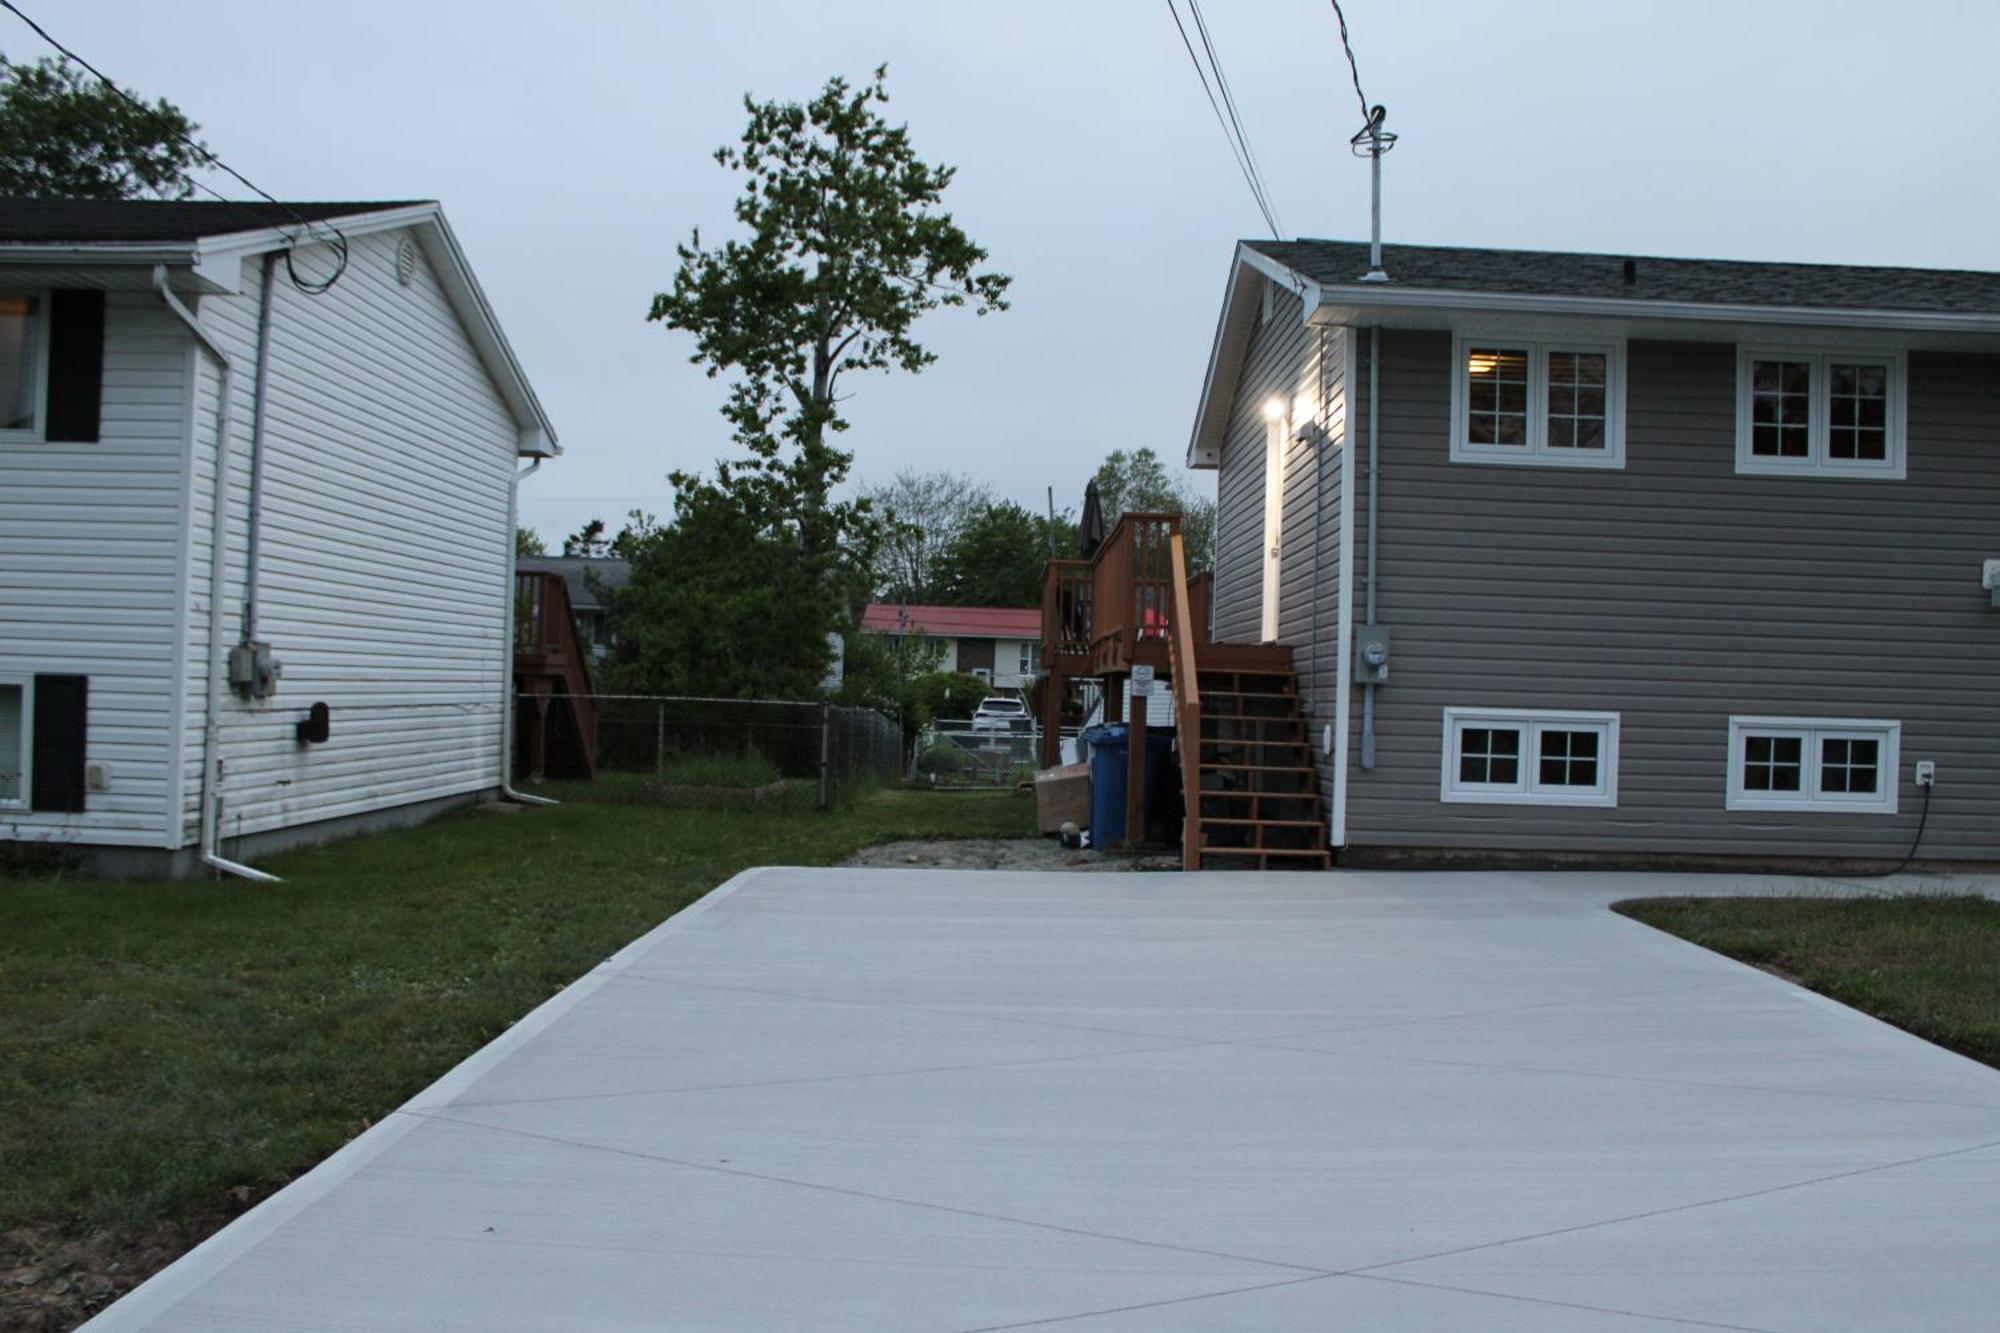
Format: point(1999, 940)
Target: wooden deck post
point(1135, 764)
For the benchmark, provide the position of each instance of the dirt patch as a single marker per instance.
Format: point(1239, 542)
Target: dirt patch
point(52, 1280)
point(1003, 854)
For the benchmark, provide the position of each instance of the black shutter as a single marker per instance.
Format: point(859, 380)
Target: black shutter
point(76, 365)
point(62, 711)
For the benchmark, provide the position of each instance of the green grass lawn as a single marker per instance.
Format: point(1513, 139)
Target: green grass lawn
point(1929, 965)
point(163, 1044)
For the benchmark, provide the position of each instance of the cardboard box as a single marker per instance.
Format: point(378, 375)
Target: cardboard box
point(1062, 794)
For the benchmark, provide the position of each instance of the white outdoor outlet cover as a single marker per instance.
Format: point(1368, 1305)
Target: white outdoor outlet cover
point(1989, 575)
point(97, 776)
point(1326, 739)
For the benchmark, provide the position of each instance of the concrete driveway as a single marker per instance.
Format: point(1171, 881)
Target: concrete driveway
point(887, 1100)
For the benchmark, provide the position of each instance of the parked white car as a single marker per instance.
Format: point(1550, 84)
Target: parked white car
point(999, 713)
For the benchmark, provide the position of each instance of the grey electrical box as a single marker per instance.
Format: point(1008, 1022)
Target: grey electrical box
point(1371, 653)
point(253, 670)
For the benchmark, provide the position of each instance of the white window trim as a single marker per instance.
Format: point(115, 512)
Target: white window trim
point(42, 297)
point(1814, 730)
point(1537, 453)
point(1531, 722)
point(1816, 463)
point(27, 687)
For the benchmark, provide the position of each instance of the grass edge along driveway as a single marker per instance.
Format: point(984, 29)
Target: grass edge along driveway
point(169, 1052)
point(1928, 964)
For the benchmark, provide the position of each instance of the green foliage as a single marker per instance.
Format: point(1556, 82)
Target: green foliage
point(722, 602)
point(1138, 481)
point(924, 512)
point(949, 695)
point(529, 542)
point(718, 771)
point(589, 540)
point(64, 135)
point(999, 556)
point(846, 249)
point(881, 672)
point(942, 758)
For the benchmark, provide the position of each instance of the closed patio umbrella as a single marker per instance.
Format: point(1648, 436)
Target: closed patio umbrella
point(1090, 528)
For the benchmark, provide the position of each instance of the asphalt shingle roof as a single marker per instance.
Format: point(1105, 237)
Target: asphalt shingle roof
point(1702, 281)
point(139, 221)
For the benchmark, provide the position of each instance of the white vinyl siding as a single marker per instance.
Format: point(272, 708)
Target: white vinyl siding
point(90, 574)
point(1514, 756)
point(1538, 403)
point(1821, 414)
point(385, 550)
point(1791, 763)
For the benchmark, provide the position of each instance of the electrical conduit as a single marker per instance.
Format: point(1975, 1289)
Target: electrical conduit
point(218, 569)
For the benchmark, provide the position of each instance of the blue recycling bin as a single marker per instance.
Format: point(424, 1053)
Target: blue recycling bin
point(1110, 753)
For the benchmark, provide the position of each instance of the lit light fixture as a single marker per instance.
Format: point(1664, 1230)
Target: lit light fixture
point(1481, 363)
point(1274, 408)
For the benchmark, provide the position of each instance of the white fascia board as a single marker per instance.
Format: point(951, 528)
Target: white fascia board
point(1232, 340)
point(461, 288)
point(1356, 305)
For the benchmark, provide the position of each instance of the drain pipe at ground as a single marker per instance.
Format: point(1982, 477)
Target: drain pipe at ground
point(507, 645)
point(1374, 479)
point(218, 570)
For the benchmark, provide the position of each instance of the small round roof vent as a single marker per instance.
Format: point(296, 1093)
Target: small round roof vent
point(406, 261)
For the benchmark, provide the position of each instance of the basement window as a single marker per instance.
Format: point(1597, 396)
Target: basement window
point(13, 744)
point(1538, 403)
point(1825, 414)
point(1780, 763)
point(1515, 756)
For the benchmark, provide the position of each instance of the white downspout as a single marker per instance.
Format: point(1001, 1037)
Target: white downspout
point(218, 571)
point(507, 645)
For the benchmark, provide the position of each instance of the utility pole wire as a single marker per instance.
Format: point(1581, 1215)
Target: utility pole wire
point(1229, 102)
point(1242, 163)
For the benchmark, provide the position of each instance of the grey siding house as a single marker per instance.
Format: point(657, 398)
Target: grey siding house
point(1620, 559)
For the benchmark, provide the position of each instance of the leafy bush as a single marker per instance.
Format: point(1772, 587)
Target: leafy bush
point(737, 771)
point(941, 757)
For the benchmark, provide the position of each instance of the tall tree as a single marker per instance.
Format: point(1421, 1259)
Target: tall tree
point(65, 135)
point(846, 248)
point(925, 513)
point(1138, 481)
point(999, 557)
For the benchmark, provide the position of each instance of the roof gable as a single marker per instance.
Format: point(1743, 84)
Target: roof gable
point(202, 244)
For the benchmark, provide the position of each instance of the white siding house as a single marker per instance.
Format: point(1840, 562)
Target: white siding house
point(382, 415)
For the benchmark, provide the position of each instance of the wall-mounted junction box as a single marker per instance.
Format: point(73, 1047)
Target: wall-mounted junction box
point(1371, 654)
point(254, 670)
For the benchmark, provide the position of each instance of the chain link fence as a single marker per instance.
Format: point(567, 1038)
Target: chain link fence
point(981, 753)
point(656, 744)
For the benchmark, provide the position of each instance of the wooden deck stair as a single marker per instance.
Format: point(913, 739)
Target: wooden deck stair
point(1255, 805)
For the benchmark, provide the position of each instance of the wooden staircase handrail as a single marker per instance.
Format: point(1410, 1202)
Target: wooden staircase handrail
point(1187, 701)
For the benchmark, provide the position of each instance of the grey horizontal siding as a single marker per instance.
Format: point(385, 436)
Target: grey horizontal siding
point(1678, 593)
point(1309, 560)
point(1275, 364)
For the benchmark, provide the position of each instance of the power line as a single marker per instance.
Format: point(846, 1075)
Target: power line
point(1229, 103)
point(1242, 163)
point(207, 158)
point(1352, 68)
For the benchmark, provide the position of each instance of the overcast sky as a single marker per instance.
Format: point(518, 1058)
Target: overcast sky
point(570, 145)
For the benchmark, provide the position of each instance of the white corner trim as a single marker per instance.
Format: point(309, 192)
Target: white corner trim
point(1812, 731)
point(1343, 707)
point(1527, 790)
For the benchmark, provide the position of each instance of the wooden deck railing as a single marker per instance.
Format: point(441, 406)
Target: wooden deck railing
point(1187, 701)
point(1131, 596)
point(550, 655)
point(1066, 620)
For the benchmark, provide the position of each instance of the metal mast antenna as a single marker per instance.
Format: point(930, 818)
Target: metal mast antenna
point(1371, 142)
